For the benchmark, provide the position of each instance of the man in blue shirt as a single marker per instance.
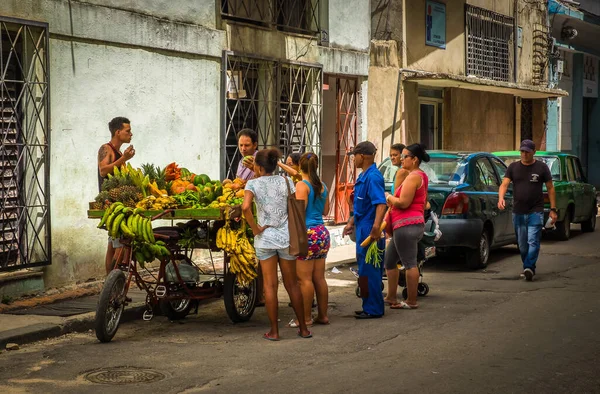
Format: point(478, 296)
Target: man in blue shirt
point(369, 210)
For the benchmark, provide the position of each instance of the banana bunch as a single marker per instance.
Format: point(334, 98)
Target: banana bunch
point(242, 257)
point(137, 177)
point(122, 221)
point(157, 203)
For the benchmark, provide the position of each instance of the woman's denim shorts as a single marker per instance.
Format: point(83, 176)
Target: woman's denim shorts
point(263, 254)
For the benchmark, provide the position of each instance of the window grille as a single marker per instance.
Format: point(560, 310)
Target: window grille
point(489, 42)
point(540, 53)
point(301, 16)
point(24, 152)
point(282, 102)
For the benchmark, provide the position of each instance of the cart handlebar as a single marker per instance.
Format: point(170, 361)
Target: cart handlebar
point(163, 213)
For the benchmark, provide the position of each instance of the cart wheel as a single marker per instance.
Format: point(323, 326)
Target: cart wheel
point(240, 301)
point(176, 309)
point(405, 293)
point(422, 289)
point(110, 306)
point(357, 291)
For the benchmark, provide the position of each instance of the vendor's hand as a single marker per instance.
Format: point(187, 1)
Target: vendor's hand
point(248, 162)
point(553, 216)
point(348, 229)
point(129, 152)
point(501, 204)
point(375, 233)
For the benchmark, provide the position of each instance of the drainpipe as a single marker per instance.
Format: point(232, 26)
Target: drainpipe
point(516, 40)
point(400, 72)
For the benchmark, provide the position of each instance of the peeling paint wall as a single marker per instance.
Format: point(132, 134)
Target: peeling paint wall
point(173, 105)
point(349, 24)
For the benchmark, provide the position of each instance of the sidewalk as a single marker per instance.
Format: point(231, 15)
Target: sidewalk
point(21, 326)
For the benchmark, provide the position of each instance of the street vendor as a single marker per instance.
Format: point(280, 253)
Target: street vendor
point(369, 211)
point(248, 146)
point(109, 157)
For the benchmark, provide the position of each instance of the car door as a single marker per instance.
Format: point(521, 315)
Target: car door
point(578, 191)
point(505, 216)
point(487, 185)
point(589, 193)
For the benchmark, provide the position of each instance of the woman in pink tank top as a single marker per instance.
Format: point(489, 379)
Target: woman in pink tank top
point(408, 222)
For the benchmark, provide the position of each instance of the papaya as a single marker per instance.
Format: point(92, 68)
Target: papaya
point(190, 187)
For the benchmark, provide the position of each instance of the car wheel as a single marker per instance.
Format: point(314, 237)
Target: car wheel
point(478, 258)
point(563, 229)
point(590, 225)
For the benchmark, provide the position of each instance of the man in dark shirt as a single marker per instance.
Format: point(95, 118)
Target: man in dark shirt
point(528, 177)
point(109, 157)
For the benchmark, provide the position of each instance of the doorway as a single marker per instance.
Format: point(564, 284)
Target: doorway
point(430, 123)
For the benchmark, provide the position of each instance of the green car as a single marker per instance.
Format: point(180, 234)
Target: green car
point(575, 198)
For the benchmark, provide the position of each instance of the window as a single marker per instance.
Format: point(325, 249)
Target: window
point(489, 44)
point(500, 168)
point(484, 177)
point(24, 156)
point(280, 101)
point(579, 177)
point(570, 171)
point(301, 16)
point(442, 170)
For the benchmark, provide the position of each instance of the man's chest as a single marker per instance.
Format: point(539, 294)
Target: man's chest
point(528, 176)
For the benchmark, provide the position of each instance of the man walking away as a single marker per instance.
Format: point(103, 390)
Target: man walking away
point(109, 157)
point(369, 210)
point(528, 177)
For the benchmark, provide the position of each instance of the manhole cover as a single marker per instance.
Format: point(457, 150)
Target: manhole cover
point(124, 375)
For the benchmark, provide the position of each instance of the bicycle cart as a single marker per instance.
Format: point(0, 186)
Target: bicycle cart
point(179, 284)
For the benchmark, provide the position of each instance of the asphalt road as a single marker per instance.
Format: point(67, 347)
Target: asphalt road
point(476, 332)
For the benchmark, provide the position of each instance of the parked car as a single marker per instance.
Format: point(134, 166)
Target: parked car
point(575, 198)
point(463, 191)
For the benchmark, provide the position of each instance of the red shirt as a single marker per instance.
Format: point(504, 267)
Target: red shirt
point(414, 214)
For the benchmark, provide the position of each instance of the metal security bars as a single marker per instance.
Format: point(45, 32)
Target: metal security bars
point(24, 152)
point(541, 48)
point(489, 43)
point(301, 16)
point(282, 102)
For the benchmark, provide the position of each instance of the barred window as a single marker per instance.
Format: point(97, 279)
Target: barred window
point(282, 102)
point(301, 16)
point(24, 154)
point(489, 42)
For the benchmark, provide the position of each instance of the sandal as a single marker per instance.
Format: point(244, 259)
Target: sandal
point(293, 324)
point(269, 338)
point(403, 305)
point(309, 335)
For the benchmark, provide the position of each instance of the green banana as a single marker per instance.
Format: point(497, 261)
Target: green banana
point(126, 210)
point(126, 231)
point(104, 217)
point(130, 221)
point(139, 256)
point(133, 226)
point(137, 211)
point(164, 251)
point(119, 208)
point(144, 230)
point(147, 253)
point(150, 231)
point(116, 225)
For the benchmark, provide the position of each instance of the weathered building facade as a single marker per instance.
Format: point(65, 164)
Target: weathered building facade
point(473, 74)
point(574, 121)
point(189, 74)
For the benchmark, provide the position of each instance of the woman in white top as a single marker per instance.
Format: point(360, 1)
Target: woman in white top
point(272, 238)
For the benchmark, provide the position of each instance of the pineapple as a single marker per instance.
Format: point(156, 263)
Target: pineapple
point(97, 205)
point(102, 196)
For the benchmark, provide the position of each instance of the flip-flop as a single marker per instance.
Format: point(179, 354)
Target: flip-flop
point(389, 302)
point(305, 336)
point(269, 338)
point(293, 324)
point(402, 305)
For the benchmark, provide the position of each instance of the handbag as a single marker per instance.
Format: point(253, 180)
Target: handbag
point(296, 224)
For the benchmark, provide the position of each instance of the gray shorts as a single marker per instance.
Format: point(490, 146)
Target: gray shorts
point(403, 246)
point(263, 254)
point(115, 242)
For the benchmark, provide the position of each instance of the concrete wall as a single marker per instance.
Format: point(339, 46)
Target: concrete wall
point(349, 24)
point(529, 19)
point(566, 105)
point(489, 128)
point(173, 104)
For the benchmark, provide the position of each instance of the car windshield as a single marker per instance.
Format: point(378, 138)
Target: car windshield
point(388, 171)
point(445, 170)
point(552, 162)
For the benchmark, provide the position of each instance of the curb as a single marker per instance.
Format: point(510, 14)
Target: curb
point(77, 323)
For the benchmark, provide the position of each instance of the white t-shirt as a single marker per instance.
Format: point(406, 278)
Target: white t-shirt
point(270, 195)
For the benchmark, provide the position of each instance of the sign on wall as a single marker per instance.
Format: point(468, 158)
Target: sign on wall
point(435, 24)
point(590, 76)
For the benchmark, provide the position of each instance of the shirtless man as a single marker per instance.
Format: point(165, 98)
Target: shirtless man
point(109, 157)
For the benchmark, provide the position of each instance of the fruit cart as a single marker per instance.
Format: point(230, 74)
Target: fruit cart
point(178, 285)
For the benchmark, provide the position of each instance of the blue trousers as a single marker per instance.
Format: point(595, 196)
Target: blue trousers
point(528, 229)
point(373, 304)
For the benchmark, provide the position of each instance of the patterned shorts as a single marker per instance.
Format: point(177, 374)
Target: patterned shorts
point(318, 243)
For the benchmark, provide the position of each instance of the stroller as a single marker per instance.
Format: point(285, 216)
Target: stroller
point(425, 251)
